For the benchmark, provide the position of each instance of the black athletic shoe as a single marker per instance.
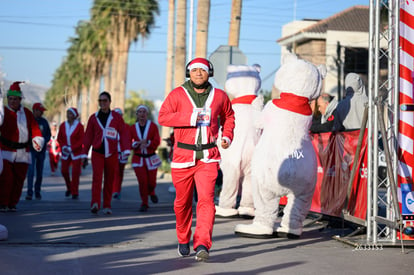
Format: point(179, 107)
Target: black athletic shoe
point(67, 193)
point(143, 208)
point(38, 196)
point(184, 249)
point(154, 198)
point(201, 253)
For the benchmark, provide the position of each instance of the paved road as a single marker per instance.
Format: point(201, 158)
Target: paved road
point(57, 235)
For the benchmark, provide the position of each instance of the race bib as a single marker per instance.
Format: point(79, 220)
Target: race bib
point(111, 133)
point(203, 116)
point(155, 160)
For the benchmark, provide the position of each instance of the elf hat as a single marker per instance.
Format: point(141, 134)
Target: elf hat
point(14, 89)
point(74, 111)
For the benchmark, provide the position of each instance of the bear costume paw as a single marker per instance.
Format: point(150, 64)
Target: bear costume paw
point(254, 230)
point(226, 212)
point(3, 233)
point(246, 212)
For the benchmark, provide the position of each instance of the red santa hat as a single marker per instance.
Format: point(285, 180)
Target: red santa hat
point(38, 106)
point(14, 89)
point(199, 63)
point(74, 111)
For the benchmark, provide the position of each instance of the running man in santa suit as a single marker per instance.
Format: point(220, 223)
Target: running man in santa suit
point(102, 134)
point(18, 130)
point(197, 111)
point(70, 137)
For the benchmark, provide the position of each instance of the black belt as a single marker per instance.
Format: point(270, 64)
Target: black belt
point(195, 147)
point(144, 155)
point(12, 144)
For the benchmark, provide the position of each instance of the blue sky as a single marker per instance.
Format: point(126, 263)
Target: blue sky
point(34, 37)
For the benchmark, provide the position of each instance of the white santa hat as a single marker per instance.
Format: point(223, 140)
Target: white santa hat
point(142, 107)
point(119, 111)
point(74, 111)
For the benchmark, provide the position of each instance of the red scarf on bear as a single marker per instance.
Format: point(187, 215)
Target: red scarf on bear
point(247, 99)
point(293, 103)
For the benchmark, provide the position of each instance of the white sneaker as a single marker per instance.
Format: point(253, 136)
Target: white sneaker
point(226, 212)
point(246, 211)
point(107, 211)
point(254, 230)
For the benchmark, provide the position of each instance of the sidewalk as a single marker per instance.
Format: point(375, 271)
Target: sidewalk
point(57, 235)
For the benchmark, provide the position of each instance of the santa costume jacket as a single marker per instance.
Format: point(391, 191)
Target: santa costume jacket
point(71, 136)
point(96, 133)
point(152, 135)
point(17, 131)
point(178, 111)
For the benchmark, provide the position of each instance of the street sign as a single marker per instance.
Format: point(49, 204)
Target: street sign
point(223, 56)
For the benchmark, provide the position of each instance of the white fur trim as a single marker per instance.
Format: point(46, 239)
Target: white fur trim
point(198, 65)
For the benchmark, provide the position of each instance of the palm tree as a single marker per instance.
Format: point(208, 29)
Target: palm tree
point(170, 58)
point(123, 21)
point(234, 33)
point(180, 42)
point(203, 19)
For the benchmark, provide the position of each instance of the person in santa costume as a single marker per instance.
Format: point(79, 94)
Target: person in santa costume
point(145, 161)
point(197, 111)
point(18, 130)
point(122, 161)
point(54, 149)
point(102, 135)
point(70, 137)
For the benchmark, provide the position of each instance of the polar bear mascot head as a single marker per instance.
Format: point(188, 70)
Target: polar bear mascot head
point(243, 80)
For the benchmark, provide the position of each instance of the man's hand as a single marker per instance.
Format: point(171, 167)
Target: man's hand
point(224, 144)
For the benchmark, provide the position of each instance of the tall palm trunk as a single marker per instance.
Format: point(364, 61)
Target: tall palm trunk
point(180, 42)
point(234, 33)
point(203, 19)
point(170, 58)
point(84, 107)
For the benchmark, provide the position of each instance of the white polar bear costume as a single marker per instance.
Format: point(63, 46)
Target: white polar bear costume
point(243, 84)
point(284, 162)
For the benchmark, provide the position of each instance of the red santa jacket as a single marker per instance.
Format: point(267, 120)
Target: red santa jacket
point(152, 135)
point(96, 134)
point(178, 111)
point(70, 139)
point(17, 131)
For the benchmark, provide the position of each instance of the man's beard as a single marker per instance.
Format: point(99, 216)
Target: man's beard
point(201, 86)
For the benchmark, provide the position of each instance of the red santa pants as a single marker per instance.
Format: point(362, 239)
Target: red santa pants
point(53, 161)
point(203, 175)
point(72, 185)
point(102, 166)
point(11, 182)
point(118, 178)
point(147, 181)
